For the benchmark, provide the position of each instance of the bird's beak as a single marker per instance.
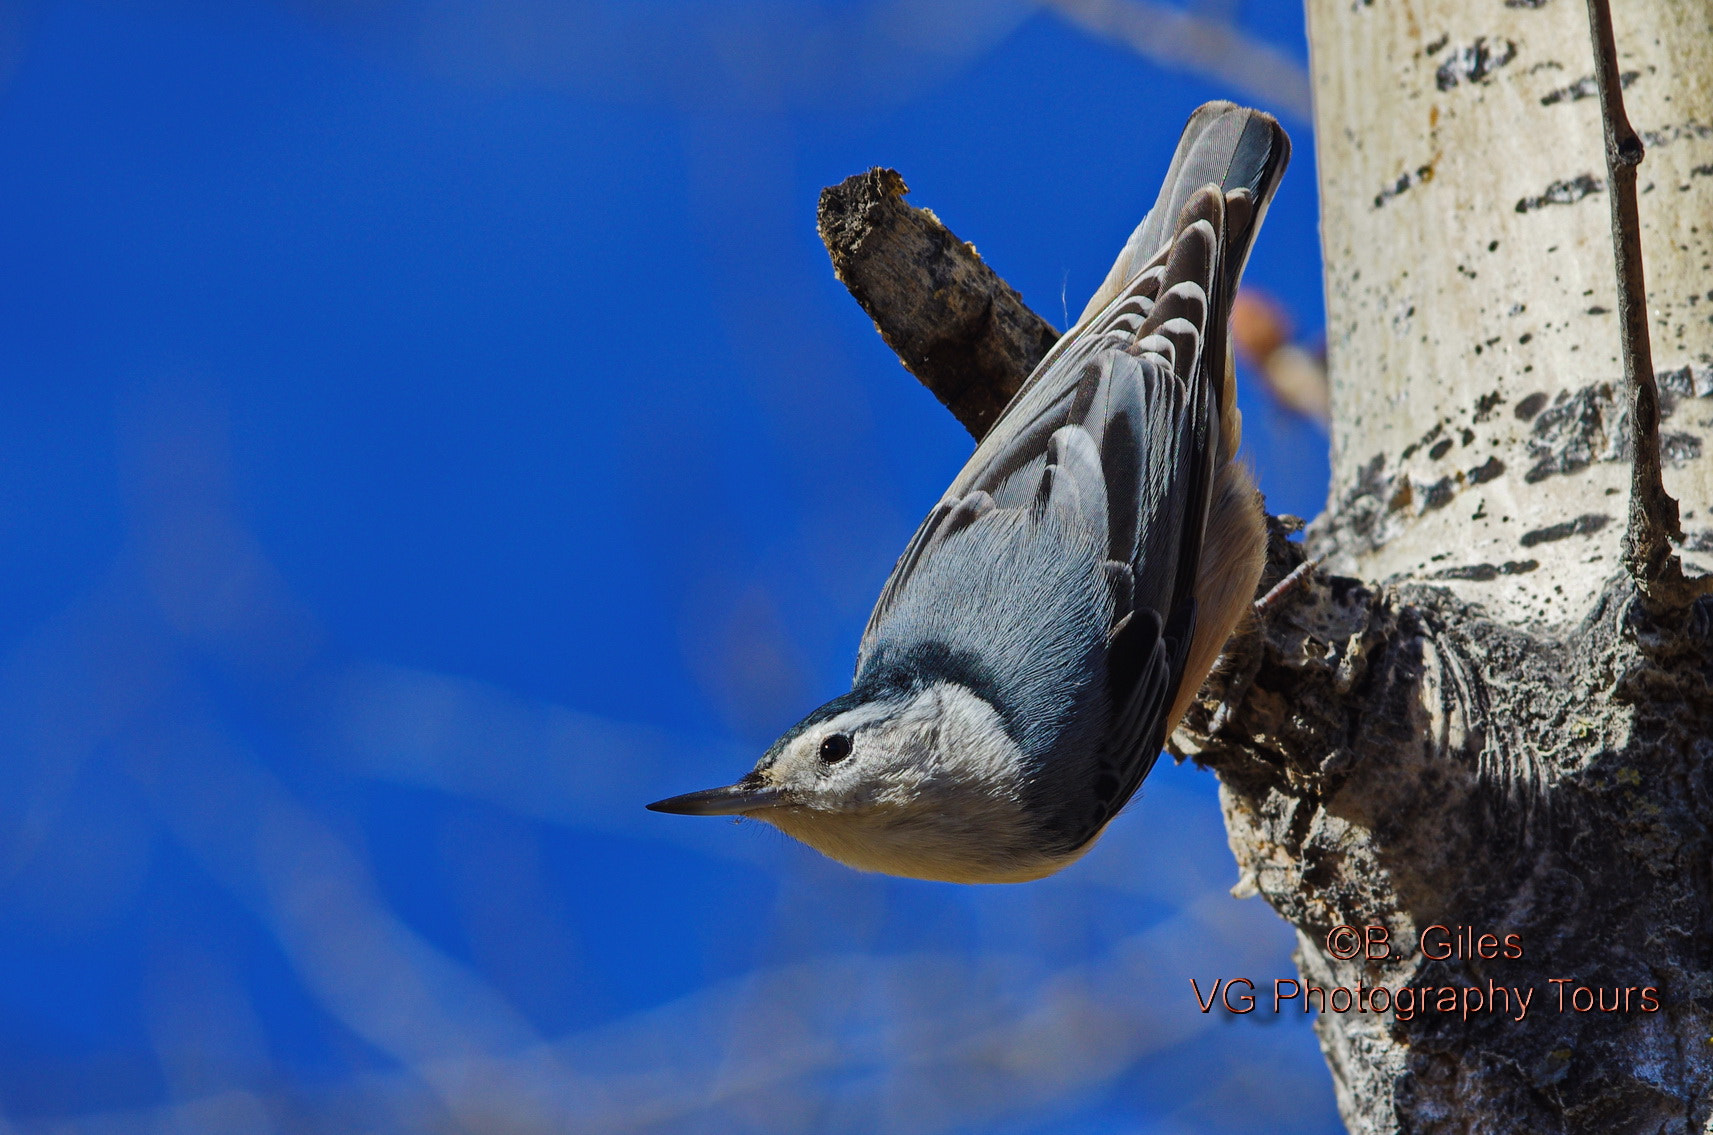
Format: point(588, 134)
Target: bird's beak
point(733, 800)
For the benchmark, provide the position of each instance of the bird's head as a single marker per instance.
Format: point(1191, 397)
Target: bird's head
point(926, 783)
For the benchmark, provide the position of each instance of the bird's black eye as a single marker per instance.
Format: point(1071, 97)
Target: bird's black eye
point(836, 748)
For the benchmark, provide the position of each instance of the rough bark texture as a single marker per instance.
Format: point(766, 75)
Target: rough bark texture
point(1469, 718)
point(1516, 744)
point(959, 328)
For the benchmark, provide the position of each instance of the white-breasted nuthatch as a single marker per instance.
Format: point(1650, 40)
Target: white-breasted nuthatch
point(1055, 614)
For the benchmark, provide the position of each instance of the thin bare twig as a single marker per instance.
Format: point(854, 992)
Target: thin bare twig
point(1276, 595)
point(1653, 512)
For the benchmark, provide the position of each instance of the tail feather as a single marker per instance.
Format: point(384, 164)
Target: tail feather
point(1244, 152)
point(1241, 150)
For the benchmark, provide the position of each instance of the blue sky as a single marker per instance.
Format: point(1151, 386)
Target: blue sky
point(433, 431)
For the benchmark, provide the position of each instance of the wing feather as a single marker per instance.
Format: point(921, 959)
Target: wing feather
point(1085, 507)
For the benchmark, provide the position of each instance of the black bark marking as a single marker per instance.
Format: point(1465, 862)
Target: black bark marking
point(1530, 406)
point(1584, 88)
point(1579, 428)
point(1418, 176)
point(1488, 470)
point(1567, 191)
point(1475, 63)
point(1438, 494)
point(1585, 525)
point(1486, 573)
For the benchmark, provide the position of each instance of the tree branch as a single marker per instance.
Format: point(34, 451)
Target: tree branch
point(961, 330)
point(1653, 522)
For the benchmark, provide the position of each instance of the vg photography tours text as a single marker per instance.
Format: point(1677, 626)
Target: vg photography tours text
point(1239, 995)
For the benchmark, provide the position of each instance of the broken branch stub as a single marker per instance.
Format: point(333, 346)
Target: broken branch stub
point(961, 330)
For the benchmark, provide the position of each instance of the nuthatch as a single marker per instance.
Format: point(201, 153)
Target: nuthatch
point(1057, 611)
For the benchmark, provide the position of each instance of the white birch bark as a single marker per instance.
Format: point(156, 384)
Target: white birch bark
point(1469, 276)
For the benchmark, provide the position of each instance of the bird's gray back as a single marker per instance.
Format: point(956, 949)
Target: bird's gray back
point(1015, 606)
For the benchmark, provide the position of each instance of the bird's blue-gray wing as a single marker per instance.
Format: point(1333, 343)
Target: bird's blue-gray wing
point(1156, 416)
point(1089, 610)
point(1065, 553)
point(1242, 151)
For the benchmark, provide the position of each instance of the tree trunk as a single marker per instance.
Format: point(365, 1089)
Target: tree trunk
point(1492, 732)
point(1470, 719)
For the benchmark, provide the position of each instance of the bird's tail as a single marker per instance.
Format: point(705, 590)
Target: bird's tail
point(1244, 152)
point(1241, 150)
